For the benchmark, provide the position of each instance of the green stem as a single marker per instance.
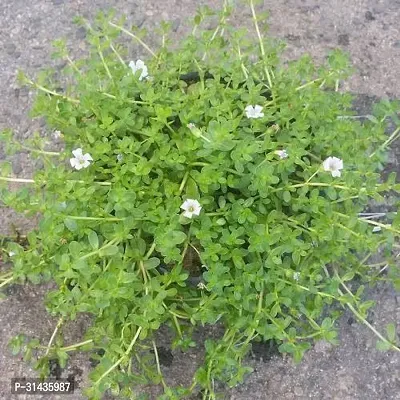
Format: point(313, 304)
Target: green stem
point(75, 346)
point(368, 221)
point(59, 323)
point(94, 218)
point(116, 52)
point(392, 137)
point(7, 281)
point(48, 91)
point(23, 180)
point(312, 176)
point(260, 39)
point(121, 28)
point(312, 82)
point(115, 365)
point(312, 184)
point(104, 63)
point(359, 316)
point(158, 364)
point(183, 183)
point(307, 289)
point(48, 153)
point(111, 96)
point(150, 252)
point(5, 276)
point(109, 244)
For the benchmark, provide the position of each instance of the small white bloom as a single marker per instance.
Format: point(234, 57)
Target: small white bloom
point(120, 157)
point(194, 129)
point(254, 112)
point(202, 286)
point(333, 165)
point(191, 207)
point(11, 253)
point(296, 276)
point(282, 154)
point(139, 65)
point(57, 135)
point(376, 229)
point(80, 161)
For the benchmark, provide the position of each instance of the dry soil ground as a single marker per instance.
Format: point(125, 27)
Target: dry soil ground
point(367, 29)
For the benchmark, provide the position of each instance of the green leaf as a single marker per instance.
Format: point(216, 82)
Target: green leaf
point(178, 237)
point(71, 224)
point(151, 263)
point(109, 251)
point(391, 332)
point(93, 240)
point(383, 346)
point(287, 196)
point(348, 276)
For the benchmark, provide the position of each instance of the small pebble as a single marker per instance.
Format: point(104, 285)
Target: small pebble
point(344, 39)
point(369, 16)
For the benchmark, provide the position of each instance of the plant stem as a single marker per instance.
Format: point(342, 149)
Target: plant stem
point(312, 184)
point(59, 323)
point(48, 153)
point(104, 63)
point(388, 227)
point(7, 281)
point(158, 364)
point(75, 346)
point(121, 28)
point(23, 180)
point(43, 89)
point(392, 137)
point(183, 183)
point(253, 12)
point(116, 52)
point(109, 244)
point(150, 252)
point(312, 82)
point(312, 176)
point(358, 315)
point(111, 96)
point(94, 218)
point(115, 365)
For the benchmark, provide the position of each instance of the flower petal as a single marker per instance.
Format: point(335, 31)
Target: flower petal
point(87, 157)
point(74, 162)
point(187, 214)
point(185, 205)
point(77, 152)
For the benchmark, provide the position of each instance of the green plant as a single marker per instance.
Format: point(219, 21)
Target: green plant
point(271, 169)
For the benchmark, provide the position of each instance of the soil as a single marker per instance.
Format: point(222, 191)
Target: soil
point(367, 29)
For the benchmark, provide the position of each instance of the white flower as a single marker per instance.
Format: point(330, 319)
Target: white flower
point(139, 65)
point(195, 130)
point(202, 286)
point(376, 229)
point(296, 276)
point(191, 207)
point(282, 154)
point(333, 165)
point(11, 253)
point(57, 135)
point(254, 112)
point(80, 161)
point(120, 157)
